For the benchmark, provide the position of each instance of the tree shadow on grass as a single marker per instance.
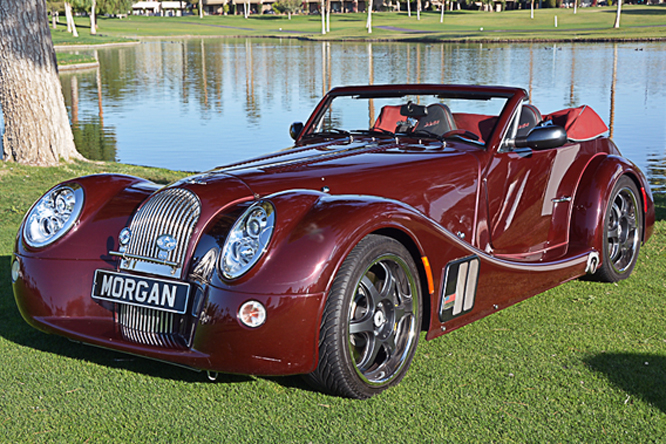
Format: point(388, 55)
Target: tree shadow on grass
point(640, 375)
point(268, 17)
point(653, 10)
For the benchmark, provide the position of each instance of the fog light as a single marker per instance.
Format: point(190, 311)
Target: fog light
point(252, 314)
point(16, 270)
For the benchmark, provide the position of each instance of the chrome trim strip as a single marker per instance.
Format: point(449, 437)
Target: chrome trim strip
point(561, 199)
point(143, 258)
point(561, 264)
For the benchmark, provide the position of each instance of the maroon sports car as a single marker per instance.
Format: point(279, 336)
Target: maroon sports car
point(400, 208)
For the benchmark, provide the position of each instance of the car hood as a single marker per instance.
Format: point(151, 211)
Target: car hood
point(403, 171)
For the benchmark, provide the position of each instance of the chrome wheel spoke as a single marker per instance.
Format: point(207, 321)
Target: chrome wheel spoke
point(631, 221)
point(370, 356)
point(614, 232)
point(389, 287)
point(365, 325)
point(628, 243)
point(375, 297)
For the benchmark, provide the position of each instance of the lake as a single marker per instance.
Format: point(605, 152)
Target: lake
point(193, 104)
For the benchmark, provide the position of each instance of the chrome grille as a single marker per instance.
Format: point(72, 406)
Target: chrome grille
point(173, 212)
point(149, 327)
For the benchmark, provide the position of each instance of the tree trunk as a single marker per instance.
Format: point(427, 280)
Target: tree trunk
point(71, 26)
point(328, 15)
point(617, 16)
point(37, 130)
point(93, 19)
point(68, 17)
point(200, 8)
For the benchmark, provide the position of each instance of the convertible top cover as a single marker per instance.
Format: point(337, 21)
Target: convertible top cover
point(581, 123)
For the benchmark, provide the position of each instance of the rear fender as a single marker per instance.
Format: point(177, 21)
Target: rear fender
point(592, 197)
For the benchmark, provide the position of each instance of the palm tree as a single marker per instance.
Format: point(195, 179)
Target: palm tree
point(37, 130)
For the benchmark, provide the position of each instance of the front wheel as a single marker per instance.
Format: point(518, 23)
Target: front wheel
point(371, 321)
point(623, 232)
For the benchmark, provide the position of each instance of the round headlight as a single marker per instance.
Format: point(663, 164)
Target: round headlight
point(247, 240)
point(53, 215)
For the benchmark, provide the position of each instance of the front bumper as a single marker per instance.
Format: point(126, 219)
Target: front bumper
point(55, 296)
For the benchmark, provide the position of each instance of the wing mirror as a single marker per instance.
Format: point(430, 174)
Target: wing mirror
point(295, 130)
point(542, 138)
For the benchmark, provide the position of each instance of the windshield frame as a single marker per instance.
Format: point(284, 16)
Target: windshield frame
point(513, 98)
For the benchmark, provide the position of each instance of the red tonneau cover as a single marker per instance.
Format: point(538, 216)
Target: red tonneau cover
point(580, 123)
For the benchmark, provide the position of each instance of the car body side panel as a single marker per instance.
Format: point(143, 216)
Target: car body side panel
point(530, 200)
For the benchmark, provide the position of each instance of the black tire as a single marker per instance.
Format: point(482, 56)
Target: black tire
point(371, 321)
point(623, 232)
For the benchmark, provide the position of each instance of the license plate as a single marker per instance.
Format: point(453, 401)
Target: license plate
point(158, 294)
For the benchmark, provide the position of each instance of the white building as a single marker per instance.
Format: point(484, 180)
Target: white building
point(153, 7)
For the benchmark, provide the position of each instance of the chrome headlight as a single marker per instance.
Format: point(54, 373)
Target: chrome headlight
point(53, 215)
point(247, 240)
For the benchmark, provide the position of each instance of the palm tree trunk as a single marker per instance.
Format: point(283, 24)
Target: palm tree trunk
point(93, 19)
point(71, 26)
point(617, 16)
point(37, 130)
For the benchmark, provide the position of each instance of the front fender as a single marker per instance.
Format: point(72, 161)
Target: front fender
point(109, 202)
point(313, 235)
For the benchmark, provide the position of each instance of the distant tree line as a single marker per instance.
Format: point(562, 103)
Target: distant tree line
point(104, 7)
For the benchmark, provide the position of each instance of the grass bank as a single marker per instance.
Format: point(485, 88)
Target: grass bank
point(588, 24)
point(585, 362)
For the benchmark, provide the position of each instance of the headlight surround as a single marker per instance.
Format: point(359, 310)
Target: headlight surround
point(53, 215)
point(248, 239)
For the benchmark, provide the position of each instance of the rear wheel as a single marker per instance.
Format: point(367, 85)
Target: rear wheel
point(370, 327)
point(623, 232)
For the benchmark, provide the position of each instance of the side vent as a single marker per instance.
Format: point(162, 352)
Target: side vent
point(459, 289)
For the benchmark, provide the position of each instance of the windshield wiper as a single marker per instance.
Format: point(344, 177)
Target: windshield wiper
point(331, 132)
point(424, 133)
point(374, 132)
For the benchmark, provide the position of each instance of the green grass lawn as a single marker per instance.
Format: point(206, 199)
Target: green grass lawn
point(638, 22)
point(66, 58)
point(585, 362)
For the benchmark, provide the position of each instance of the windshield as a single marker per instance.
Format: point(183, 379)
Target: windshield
point(410, 115)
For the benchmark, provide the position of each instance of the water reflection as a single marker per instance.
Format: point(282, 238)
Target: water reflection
point(195, 103)
point(92, 139)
